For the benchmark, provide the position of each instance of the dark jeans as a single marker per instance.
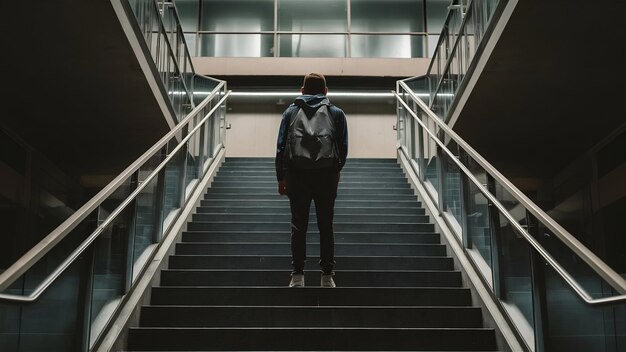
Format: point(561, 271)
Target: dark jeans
point(321, 187)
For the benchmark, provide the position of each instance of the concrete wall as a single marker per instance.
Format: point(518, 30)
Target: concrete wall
point(255, 134)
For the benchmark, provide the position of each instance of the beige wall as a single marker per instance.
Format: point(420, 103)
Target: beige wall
point(254, 135)
point(291, 66)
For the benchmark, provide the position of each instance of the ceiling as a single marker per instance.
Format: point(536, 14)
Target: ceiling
point(552, 88)
point(72, 87)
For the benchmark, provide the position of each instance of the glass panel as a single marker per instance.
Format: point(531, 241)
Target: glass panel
point(190, 38)
point(437, 11)
point(410, 133)
point(583, 274)
point(431, 160)
point(452, 195)
point(432, 44)
point(237, 15)
point(571, 325)
point(10, 320)
point(202, 87)
point(173, 186)
point(312, 45)
point(110, 274)
point(330, 16)
point(402, 114)
point(420, 87)
point(215, 130)
point(193, 160)
point(400, 46)
point(147, 214)
point(188, 13)
point(515, 278)
point(620, 327)
point(387, 16)
point(237, 45)
point(477, 218)
point(53, 323)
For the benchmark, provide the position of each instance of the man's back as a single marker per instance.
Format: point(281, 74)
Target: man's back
point(311, 150)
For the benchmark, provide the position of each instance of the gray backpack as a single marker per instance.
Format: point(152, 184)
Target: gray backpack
point(311, 141)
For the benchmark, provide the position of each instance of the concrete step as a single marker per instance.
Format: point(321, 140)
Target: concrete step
point(280, 248)
point(350, 316)
point(316, 296)
point(278, 262)
point(344, 278)
point(311, 339)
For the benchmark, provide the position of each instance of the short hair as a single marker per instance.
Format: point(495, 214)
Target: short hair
point(314, 83)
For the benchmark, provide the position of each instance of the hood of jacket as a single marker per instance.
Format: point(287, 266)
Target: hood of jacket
point(310, 103)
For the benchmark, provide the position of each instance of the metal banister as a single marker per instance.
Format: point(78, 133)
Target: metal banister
point(31, 257)
point(601, 268)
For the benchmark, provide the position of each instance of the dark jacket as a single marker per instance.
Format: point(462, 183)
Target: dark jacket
point(310, 104)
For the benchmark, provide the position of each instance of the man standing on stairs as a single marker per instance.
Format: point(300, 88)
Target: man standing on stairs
point(311, 151)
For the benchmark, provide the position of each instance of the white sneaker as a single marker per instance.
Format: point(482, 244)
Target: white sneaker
point(327, 281)
point(297, 280)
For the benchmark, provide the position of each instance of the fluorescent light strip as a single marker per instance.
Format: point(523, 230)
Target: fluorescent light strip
point(330, 94)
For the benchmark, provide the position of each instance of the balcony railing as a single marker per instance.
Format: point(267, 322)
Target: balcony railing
point(467, 24)
point(160, 26)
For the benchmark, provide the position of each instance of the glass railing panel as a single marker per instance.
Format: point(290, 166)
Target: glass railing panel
point(454, 27)
point(148, 213)
point(410, 135)
point(440, 58)
point(620, 327)
point(513, 273)
point(109, 275)
point(173, 186)
point(219, 121)
point(193, 160)
point(55, 323)
point(10, 319)
point(452, 188)
point(477, 218)
point(401, 121)
point(101, 253)
point(207, 130)
point(166, 44)
point(572, 325)
point(431, 163)
point(203, 86)
point(586, 277)
point(465, 26)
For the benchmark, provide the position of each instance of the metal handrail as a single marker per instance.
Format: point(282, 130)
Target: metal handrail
point(31, 257)
point(440, 40)
point(601, 268)
point(179, 28)
point(449, 61)
point(172, 54)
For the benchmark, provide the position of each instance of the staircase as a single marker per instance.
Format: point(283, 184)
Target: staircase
point(226, 287)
